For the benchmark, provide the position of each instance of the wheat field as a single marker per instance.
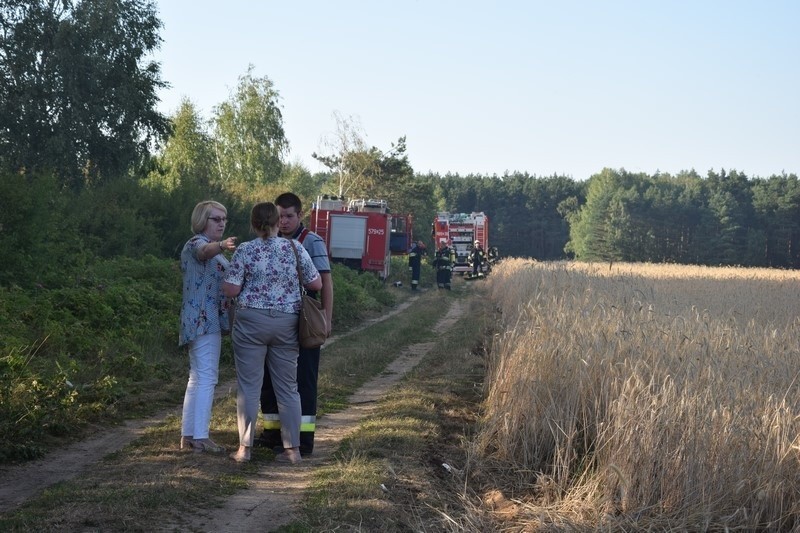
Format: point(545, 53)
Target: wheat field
point(637, 396)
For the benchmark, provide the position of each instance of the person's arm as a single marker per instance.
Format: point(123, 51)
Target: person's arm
point(210, 249)
point(306, 265)
point(319, 255)
point(327, 298)
point(230, 290)
point(234, 276)
point(314, 285)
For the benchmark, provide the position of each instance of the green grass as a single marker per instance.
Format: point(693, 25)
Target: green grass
point(345, 366)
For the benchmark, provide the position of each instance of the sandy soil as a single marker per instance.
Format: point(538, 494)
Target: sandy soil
point(271, 500)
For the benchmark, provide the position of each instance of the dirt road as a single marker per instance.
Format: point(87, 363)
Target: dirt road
point(271, 500)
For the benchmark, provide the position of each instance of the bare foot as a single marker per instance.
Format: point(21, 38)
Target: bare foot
point(242, 455)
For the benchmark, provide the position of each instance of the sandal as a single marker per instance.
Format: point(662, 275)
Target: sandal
point(207, 445)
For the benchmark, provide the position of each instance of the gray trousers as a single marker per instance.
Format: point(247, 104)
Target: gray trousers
point(259, 334)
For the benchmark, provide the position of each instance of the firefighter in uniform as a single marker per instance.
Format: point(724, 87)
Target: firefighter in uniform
point(290, 209)
point(494, 255)
point(476, 258)
point(415, 262)
point(445, 258)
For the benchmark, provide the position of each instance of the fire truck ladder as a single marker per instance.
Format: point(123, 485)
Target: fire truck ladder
point(321, 223)
point(480, 231)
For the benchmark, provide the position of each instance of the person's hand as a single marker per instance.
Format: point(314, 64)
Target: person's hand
point(228, 244)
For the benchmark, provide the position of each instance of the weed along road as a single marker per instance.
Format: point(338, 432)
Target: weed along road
point(143, 452)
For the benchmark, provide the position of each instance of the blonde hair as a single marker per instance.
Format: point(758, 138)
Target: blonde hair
point(201, 213)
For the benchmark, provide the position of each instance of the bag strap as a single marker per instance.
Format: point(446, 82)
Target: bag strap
point(297, 267)
point(302, 235)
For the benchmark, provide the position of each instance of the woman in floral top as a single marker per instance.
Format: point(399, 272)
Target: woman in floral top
point(203, 318)
point(263, 278)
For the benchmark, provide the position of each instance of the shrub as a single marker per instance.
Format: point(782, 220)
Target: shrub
point(356, 293)
point(70, 354)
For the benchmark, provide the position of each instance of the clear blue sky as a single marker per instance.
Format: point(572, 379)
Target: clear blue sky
point(544, 87)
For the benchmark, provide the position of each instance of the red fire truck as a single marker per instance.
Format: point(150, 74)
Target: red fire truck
point(460, 231)
point(362, 234)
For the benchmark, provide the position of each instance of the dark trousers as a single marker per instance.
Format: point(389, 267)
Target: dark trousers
point(307, 375)
point(443, 278)
point(415, 275)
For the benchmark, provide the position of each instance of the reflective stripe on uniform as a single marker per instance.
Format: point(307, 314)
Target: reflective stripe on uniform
point(272, 421)
point(307, 423)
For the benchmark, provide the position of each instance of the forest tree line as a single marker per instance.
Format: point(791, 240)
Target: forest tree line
point(723, 218)
point(90, 168)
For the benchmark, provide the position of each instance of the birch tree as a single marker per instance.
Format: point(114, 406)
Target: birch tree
point(249, 139)
point(352, 162)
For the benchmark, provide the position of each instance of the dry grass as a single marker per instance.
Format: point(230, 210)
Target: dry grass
point(634, 396)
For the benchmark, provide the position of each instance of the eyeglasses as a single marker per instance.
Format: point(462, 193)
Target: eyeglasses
point(218, 219)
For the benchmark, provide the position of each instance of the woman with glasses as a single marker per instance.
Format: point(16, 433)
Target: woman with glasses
point(204, 317)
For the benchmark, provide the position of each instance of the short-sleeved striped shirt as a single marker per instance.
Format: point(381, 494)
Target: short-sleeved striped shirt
point(316, 248)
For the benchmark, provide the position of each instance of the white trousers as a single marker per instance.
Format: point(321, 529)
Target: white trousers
point(203, 373)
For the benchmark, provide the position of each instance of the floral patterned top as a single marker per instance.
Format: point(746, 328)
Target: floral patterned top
point(202, 311)
point(265, 270)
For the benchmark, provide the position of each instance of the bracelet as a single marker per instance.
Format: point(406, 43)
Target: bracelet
point(221, 249)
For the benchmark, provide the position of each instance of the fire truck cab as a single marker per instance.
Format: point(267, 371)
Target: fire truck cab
point(460, 231)
point(362, 234)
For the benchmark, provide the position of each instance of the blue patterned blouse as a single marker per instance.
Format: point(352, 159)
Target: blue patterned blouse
point(202, 311)
point(265, 270)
